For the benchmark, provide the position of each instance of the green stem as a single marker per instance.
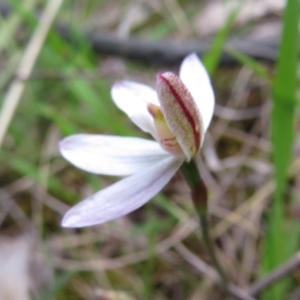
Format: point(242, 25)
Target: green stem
point(210, 248)
point(199, 197)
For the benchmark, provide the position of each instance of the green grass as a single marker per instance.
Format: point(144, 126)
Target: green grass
point(283, 132)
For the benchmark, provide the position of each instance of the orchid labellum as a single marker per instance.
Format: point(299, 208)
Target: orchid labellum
point(176, 114)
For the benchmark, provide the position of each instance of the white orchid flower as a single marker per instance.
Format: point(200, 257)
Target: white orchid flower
point(177, 115)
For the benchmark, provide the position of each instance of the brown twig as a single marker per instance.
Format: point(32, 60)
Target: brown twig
point(275, 275)
point(173, 52)
point(180, 232)
point(203, 268)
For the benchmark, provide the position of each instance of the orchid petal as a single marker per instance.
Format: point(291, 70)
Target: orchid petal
point(132, 98)
point(111, 155)
point(195, 77)
point(180, 112)
point(122, 197)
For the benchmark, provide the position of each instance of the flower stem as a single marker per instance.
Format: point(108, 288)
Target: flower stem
point(200, 198)
point(210, 248)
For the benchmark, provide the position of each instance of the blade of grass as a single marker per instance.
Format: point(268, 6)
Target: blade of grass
point(12, 24)
point(58, 285)
point(211, 59)
point(258, 68)
point(29, 58)
point(94, 95)
point(282, 128)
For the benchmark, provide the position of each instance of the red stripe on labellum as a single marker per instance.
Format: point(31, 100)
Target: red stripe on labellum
point(170, 139)
point(181, 102)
